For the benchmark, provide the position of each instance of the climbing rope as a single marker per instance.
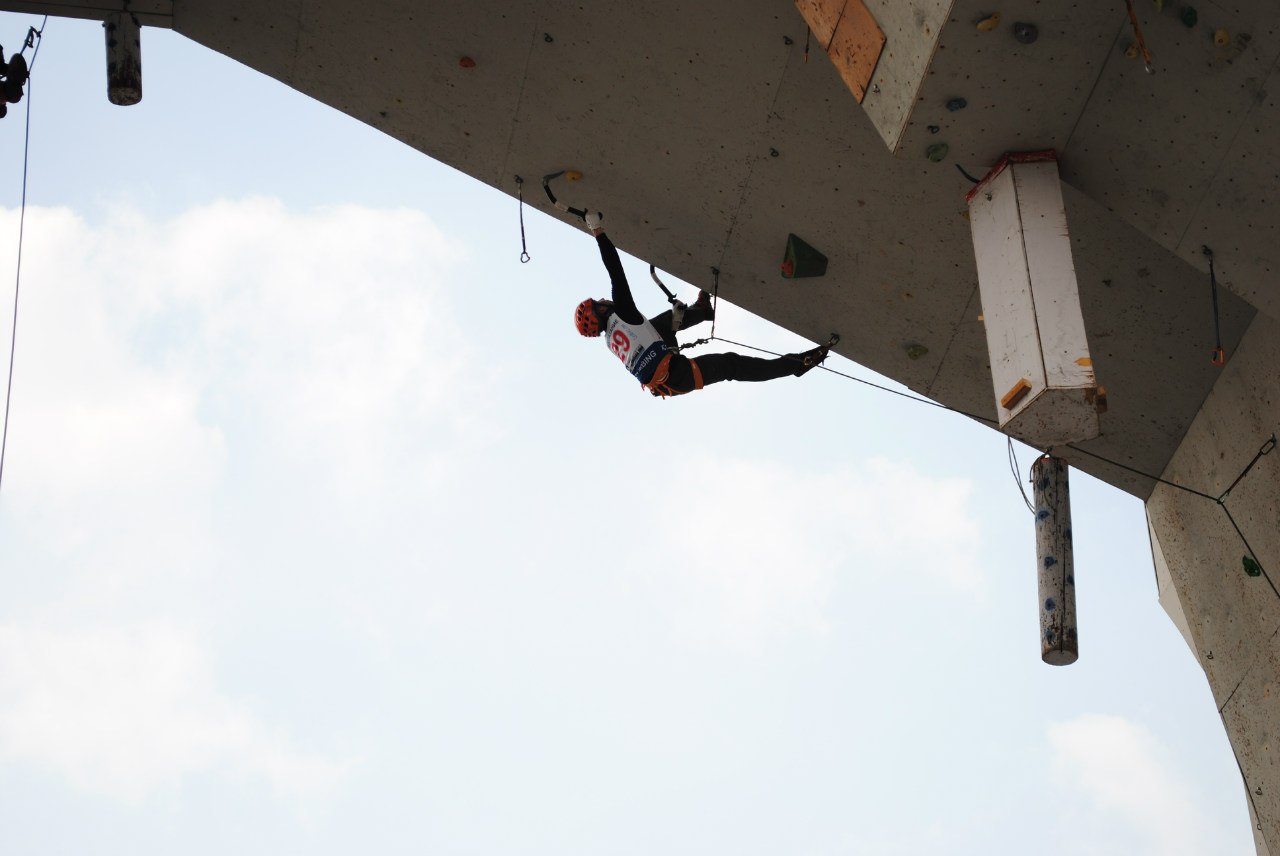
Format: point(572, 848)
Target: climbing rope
point(863, 381)
point(34, 40)
point(1013, 466)
point(1252, 566)
point(1138, 39)
point(715, 297)
point(1219, 357)
point(524, 247)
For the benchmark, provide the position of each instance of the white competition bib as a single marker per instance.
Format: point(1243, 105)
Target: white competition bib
point(638, 346)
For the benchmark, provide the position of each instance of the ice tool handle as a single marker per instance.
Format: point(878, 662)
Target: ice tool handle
point(580, 213)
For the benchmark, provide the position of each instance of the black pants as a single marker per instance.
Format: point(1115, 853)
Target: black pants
point(718, 367)
point(729, 366)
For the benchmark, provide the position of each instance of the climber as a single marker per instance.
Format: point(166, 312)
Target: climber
point(648, 348)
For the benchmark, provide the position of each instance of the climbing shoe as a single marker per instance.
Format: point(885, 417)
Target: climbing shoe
point(814, 357)
point(704, 303)
point(15, 76)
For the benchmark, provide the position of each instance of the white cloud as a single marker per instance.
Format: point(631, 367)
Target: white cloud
point(124, 712)
point(1126, 773)
point(187, 394)
point(146, 349)
point(760, 544)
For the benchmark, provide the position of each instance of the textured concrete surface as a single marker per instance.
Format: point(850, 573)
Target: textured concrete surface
point(1232, 620)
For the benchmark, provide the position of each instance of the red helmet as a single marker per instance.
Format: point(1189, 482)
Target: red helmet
point(585, 318)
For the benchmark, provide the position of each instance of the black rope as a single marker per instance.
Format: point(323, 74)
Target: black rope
point(715, 297)
point(1220, 500)
point(1265, 449)
point(524, 247)
point(966, 175)
point(1138, 472)
point(1254, 556)
point(1017, 478)
point(863, 381)
point(1219, 357)
point(36, 36)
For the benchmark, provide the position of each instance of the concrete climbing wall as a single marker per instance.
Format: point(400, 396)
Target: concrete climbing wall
point(911, 29)
point(1232, 619)
point(1190, 149)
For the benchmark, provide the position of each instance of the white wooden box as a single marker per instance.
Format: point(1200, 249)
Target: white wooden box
point(1041, 370)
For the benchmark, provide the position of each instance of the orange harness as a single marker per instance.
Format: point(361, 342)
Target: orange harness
point(658, 386)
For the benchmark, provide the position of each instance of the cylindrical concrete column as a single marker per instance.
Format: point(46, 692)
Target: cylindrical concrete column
point(124, 59)
point(1059, 645)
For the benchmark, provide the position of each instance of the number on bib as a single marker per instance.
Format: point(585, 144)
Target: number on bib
point(620, 344)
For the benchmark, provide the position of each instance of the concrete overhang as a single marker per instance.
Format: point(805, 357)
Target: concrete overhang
point(707, 133)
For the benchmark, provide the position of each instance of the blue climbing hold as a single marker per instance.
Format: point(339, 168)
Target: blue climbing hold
point(1050, 561)
point(1050, 605)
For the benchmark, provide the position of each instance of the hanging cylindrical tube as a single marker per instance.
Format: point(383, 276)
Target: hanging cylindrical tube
point(1059, 645)
point(124, 58)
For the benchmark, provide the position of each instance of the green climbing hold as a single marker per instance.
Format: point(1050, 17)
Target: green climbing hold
point(1189, 16)
point(1251, 567)
point(802, 260)
point(916, 351)
point(937, 152)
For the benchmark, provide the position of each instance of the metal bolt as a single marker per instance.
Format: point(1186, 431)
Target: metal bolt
point(1026, 33)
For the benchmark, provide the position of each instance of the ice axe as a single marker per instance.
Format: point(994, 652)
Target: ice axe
point(572, 175)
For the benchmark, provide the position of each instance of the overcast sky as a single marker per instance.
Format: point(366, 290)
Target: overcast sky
point(323, 531)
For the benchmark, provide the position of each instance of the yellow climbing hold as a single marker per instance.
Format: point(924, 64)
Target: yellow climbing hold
point(1084, 361)
point(572, 174)
point(989, 23)
point(1132, 51)
point(1221, 38)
